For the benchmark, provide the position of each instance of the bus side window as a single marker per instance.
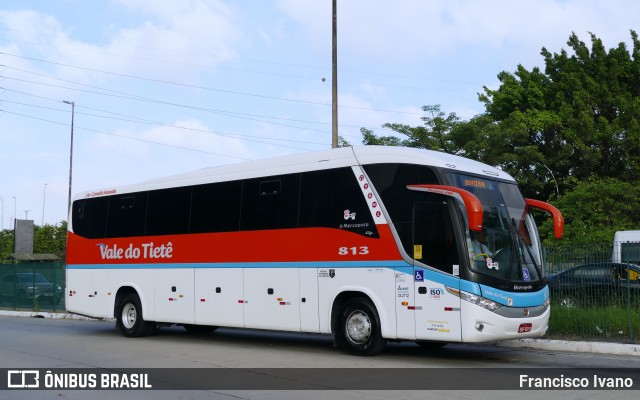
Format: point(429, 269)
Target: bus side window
point(270, 203)
point(215, 207)
point(391, 180)
point(333, 199)
point(434, 233)
point(168, 211)
point(89, 217)
point(127, 214)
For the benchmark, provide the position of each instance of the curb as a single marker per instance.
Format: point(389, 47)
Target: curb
point(619, 349)
point(44, 314)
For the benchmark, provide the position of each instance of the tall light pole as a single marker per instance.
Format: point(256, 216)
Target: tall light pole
point(2, 218)
point(554, 178)
point(334, 79)
point(15, 208)
point(73, 109)
point(26, 214)
point(44, 198)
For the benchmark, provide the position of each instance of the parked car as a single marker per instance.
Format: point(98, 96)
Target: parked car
point(596, 282)
point(25, 286)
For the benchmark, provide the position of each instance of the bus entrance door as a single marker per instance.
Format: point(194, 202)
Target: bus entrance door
point(436, 263)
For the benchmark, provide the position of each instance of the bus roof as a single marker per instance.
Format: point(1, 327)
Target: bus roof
point(304, 162)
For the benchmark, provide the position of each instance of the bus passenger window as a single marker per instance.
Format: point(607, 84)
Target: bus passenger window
point(270, 203)
point(89, 217)
point(434, 234)
point(215, 207)
point(127, 215)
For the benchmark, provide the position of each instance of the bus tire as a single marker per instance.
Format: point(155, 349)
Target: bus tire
point(130, 319)
point(358, 329)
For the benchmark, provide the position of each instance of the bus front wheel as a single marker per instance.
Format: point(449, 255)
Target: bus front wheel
point(129, 318)
point(358, 329)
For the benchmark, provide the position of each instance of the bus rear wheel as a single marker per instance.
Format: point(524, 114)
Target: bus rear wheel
point(358, 330)
point(130, 320)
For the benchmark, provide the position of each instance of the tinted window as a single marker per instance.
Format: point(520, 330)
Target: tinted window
point(333, 199)
point(270, 203)
point(434, 240)
point(391, 180)
point(168, 211)
point(127, 215)
point(216, 207)
point(89, 217)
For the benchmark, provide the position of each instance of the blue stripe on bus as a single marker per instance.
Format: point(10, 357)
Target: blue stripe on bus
point(502, 297)
point(529, 299)
point(452, 281)
point(397, 265)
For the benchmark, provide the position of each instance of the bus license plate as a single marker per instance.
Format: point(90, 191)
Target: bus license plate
point(524, 328)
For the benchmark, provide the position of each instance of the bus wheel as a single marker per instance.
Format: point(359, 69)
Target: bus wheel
point(199, 329)
point(358, 329)
point(129, 317)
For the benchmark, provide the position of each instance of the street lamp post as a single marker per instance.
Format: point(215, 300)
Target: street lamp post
point(2, 217)
point(334, 80)
point(554, 178)
point(44, 198)
point(73, 107)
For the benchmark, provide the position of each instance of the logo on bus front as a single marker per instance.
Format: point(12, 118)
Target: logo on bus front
point(348, 215)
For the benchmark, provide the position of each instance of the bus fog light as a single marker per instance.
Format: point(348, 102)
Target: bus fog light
point(479, 326)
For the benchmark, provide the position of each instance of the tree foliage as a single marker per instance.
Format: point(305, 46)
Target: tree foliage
point(598, 207)
point(569, 133)
point(49, 239)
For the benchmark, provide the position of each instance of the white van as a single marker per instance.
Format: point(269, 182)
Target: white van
point(626, 247)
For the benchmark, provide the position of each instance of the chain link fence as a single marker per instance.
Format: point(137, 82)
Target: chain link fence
point(32, 286)
point(593, 297)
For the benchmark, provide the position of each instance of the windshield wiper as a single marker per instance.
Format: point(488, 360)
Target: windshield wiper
point(522, 243)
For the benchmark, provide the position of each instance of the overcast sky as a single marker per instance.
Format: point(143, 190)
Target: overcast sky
point(164, 87)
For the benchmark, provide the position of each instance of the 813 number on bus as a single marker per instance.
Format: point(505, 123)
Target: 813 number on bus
point(353, 251)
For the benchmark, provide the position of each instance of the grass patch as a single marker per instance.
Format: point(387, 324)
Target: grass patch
point(594, 322)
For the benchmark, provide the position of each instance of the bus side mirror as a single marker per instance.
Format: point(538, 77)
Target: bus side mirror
point(558, 221)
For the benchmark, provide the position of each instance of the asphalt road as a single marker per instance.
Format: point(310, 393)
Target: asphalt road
point(49, 344)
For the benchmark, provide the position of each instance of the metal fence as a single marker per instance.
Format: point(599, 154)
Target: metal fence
point(591, 297)
point(32, 286)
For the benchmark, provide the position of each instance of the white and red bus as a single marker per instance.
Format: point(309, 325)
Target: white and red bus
point(366, 243)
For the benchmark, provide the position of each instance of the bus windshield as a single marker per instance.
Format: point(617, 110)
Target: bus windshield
point(506, 247)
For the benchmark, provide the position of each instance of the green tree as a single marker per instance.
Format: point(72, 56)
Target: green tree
point(6, 244)
point(51, 239)
point(596, 208)
point(434, 134)
point(569, 133)
point(578, 118)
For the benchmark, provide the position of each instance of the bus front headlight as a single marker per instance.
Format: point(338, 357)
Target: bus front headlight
point(474, 299)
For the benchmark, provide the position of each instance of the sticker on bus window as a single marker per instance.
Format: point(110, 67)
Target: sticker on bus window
point(417, 251)
point(525, 274)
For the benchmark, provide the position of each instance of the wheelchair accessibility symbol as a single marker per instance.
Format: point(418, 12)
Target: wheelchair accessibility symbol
point(418, 276)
